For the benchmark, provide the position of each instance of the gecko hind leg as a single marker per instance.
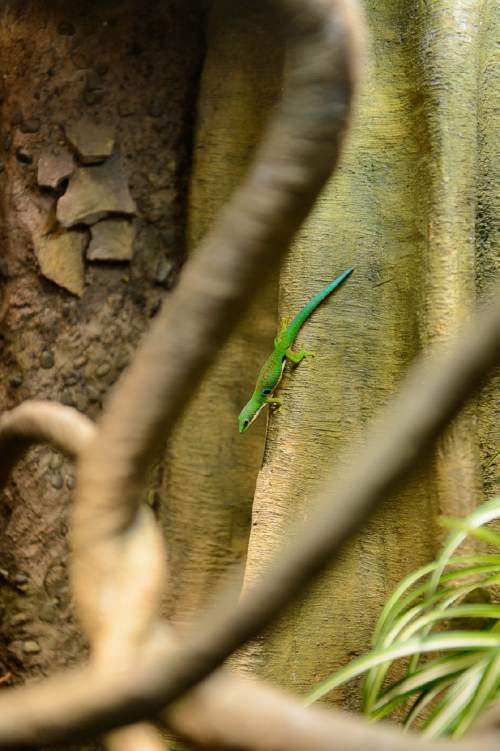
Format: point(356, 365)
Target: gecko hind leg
point(297, 357)
point(275, 403)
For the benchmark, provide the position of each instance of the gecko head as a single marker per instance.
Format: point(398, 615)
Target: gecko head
point(250, 412)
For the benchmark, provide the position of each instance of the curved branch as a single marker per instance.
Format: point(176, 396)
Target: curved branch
point(34, 422)
point(79, 704)
point(224, 712)
point(298, 154)
point(228, 712)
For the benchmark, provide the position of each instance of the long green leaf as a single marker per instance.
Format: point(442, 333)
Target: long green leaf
point(429, 643)
point(480, 533)
point(442, 668)
point(375, 677)
point(487, 689)
point(397, 603)
point(396, 596)
point(458, 685)
point(444, 598)
point(472, 610)
point(485, 513)
point(451, 707)
point(424, 700)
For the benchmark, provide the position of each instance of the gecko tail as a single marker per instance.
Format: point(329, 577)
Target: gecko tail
point(313, 303)
point(330, 287)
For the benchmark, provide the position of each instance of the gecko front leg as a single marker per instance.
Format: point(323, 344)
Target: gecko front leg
point(297, 357)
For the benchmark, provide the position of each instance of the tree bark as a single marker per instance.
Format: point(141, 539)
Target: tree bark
point(402, 211)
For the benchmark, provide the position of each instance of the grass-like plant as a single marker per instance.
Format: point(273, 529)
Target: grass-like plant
point(448, 673)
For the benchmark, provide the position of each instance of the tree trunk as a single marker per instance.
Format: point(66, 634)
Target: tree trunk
point(402, 211)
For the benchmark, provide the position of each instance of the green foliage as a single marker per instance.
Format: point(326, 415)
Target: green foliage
point(446, 675)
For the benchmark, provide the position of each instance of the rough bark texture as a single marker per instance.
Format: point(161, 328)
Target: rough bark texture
point(210, 478)
point(487, 228)
point(133, 67)
point(411, 209)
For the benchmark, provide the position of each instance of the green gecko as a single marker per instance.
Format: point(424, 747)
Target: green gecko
point(272, 370)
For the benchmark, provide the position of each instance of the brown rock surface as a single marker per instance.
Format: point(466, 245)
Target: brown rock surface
point(94, 192)
point(54, 167)
point(92, 142)
point(112, 240)
point(61, 259)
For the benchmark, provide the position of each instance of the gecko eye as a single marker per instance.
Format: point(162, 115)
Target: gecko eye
point(266, 392)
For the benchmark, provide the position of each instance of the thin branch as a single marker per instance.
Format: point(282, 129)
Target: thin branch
point(228, 712)
point(225, 712)
point(34, 422)
point(79, 704)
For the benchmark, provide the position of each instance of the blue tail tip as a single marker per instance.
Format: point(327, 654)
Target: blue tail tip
point(345, 273)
